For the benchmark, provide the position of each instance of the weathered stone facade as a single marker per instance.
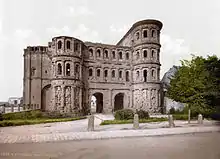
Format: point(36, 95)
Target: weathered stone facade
point(64, 75)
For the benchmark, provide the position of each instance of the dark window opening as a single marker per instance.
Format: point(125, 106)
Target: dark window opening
point(68, 69)
point(68, 44)
point(98, 53)
point(152, 53)
point(145, 75)
point(120, 55)
point(137, 35)
point(153, 33)
point(59, 44)
point(90, 72)
point(106, 54)
point(59, 69)
point(137, 74)
point(127, 56)
point(113, 73)
point(120, 74)
point(152, 74)
point(113, 54)
point(145, 33)
point(90, 52)
point(46, 71)
point(106, 73)
point(77, 70)
point(98, 72)
point(145, 53)
point(127, 76)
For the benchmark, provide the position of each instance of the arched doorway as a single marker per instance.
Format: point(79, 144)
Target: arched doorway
point(119, 101)
point(45, 97)
point(97, 102)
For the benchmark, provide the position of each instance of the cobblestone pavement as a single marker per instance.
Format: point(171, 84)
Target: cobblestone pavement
point(188, 146)
point(8, 138)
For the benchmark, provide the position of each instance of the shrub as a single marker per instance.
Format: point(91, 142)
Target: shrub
point(32, 114)
point(142, 114)
point(124, 114)
point(1, 117)
point(172, 110)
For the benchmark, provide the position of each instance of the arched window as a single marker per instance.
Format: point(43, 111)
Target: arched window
point(68, 44)
point(68, 69)
point(127, 56)
point(120, 55)
point(98, 73)
point(113, 54)
point(120, 74)
point(90, 72)
point(98, 53)
point(90, 52)
point(145, 75)
point(137, 35)
point(59, 44)
point(137, 55)
point(77, 71)
point(153, 74)
point(153, 33)
point(127, 76)
point(59, 70)
point(106, 53)
point(145, 33)
point(145, 53)
point(113, 73)
point(106, 73)
point(152, 53)
point(137, 74)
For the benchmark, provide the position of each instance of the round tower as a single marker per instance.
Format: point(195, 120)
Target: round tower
point(67, 79)
point(146, 65)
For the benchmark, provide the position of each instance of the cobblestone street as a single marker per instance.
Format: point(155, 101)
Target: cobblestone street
point(191, 146)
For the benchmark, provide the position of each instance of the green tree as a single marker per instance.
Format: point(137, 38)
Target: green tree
point(197, 84)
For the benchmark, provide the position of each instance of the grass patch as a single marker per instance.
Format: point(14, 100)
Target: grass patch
point(110, 122)
point(19, 122)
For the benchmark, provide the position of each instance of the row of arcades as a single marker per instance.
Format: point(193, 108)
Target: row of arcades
point(70, 69)
point(146, 33)
point(120, 74)
point(107, 54)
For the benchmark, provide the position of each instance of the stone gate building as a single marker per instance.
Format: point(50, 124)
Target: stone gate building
point(64, 75)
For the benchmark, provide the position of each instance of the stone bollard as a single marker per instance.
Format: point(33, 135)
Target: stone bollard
point(91, 120)
point(136, 121)
point(200, 119)
point(171, 122)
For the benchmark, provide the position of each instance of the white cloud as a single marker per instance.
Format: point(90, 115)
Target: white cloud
point(78, 11)
point(23, 34)
point(121, 30)
point(172, 51)
point(81, 32)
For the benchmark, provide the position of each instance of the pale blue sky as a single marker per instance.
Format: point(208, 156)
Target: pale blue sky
point(189, 27)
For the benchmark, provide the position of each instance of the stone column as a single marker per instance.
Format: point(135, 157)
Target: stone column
point(72, 98)
point(171, 122)
point(91, 120)
point(200, 119)
point(18, 107)
point(136, 122)
point(62, 99)
point(80, 98)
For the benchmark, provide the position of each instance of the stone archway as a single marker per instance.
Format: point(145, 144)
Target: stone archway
point(98, 102)
point(119, 101)
point(45, 97)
